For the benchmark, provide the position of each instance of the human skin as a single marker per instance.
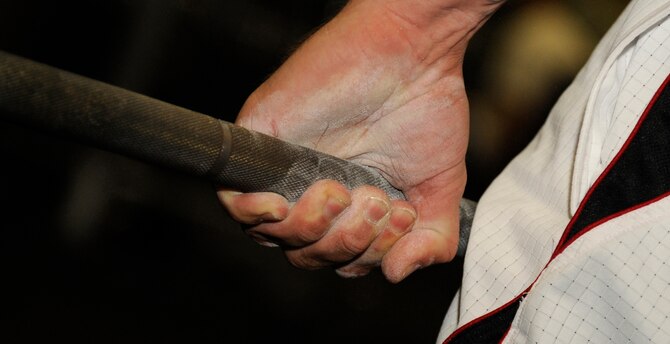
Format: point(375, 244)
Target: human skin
point(381, 85)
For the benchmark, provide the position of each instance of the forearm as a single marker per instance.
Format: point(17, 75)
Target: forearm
point(425, 39)
point(429, 29)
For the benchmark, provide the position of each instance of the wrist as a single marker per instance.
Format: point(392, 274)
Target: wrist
point(431, 29)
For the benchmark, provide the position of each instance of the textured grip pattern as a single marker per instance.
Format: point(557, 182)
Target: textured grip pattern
point(466, 215)
point(259, 161)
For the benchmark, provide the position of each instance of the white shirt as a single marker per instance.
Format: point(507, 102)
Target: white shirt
point(613, 283)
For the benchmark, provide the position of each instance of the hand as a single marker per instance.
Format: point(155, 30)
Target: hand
point(381, 85)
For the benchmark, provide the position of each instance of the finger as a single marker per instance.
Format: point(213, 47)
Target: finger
point(401, 219)
point(350, 234)
point(310, 217)
point(434, 236)
point(254, 208)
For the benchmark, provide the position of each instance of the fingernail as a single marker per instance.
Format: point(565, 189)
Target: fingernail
point(410, 270)
point(261, 239)
point(227, 195)
point(271, 216)
point(375, 210)
point(333, 207)
point(266, 217)
point(350, 273)
point(401, 220)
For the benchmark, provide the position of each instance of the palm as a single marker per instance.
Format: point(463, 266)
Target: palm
point(405, 119)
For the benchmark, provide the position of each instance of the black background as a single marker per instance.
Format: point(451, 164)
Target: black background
point(99, 248)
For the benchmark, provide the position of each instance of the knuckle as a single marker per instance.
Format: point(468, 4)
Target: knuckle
point(302, 261)
point(311, 229)
point(309, 234)
point(352, 243)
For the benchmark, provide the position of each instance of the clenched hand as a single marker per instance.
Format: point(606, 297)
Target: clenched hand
point(381, 85)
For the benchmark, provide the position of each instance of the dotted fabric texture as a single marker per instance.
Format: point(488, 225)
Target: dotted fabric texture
point(613, 286)
point(521, 217)
point(609, 287)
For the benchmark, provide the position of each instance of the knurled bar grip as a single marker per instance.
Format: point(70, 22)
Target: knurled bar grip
point(157, 132)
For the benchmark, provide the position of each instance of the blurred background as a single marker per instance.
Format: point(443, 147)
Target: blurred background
point(96, 247)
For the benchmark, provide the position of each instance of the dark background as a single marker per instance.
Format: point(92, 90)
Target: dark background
point(99, 248)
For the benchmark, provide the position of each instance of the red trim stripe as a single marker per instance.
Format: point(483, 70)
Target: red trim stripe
point(566, 240)
point(562, 243)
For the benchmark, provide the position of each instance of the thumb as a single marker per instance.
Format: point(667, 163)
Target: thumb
point(434, 236)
